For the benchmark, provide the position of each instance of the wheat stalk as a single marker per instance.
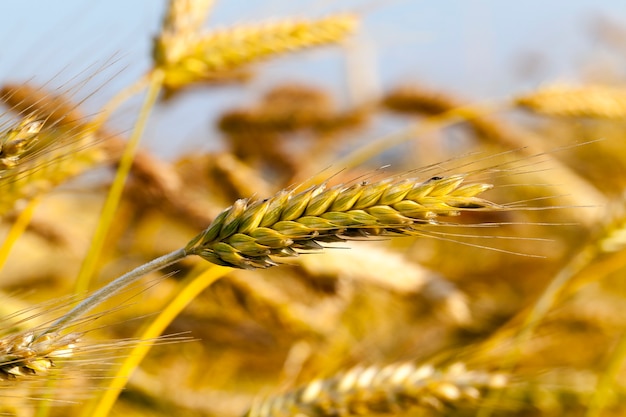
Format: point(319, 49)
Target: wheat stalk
point(382, 390)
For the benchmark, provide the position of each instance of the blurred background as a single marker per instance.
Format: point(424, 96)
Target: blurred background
point(479, 49)
point(462, 294)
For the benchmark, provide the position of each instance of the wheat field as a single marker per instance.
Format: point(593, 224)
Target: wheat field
point(469, 261)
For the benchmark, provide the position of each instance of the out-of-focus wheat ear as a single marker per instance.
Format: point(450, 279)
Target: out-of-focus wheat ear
point(289, 108)
point(388, 269)
point(421, 101)
point(75, 141)
point(249, 235)
point(384, 389)
point(270, 303)
point(260, 134)
point(40, 171)
point(593, 101)
point(229, 50)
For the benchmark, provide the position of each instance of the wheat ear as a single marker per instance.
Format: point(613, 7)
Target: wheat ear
point(382, 390)
point(17, 140)
point(593, 101)
point(247, 235)
point(26, 354)
point(228, 50)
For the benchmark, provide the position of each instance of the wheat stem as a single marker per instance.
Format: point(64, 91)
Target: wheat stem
point(113, 287)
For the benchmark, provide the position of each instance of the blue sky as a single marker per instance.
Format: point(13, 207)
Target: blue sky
point(478, 48)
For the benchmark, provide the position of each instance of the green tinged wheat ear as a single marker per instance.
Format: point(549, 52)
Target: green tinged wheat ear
point(247, 235)
point(382, 390)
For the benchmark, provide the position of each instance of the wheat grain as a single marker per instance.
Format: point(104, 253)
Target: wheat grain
point(43, 171)
point(247, 234)
point(381, 390)
point(52, 144)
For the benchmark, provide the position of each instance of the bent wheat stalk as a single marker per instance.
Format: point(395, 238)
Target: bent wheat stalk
point(251, 235)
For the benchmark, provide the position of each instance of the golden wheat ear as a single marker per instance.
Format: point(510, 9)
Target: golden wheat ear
point(381, 390)
point(593, 101)
point(222, 54)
